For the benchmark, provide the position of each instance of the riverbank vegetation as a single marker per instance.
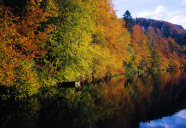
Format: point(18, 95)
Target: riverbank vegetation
point(45, 42)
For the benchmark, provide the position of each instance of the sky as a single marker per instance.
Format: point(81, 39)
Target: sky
point(173, 11)
point(176, 121)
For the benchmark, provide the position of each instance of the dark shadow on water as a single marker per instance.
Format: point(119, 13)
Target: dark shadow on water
point(118, 103)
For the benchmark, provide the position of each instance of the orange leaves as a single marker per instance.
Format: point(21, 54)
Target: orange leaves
point(33, 39)
point(142, 53)
point(21, 41)
point(111, 35)
point(137, 33)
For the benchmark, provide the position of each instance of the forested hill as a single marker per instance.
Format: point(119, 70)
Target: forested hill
point(177, 32)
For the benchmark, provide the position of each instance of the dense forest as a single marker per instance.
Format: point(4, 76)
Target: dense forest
point(46, 42)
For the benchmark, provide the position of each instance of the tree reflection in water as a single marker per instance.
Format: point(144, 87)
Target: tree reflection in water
point(118, 103)
point(146, 97)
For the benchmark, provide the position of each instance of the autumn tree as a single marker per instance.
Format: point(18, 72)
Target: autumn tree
point(70, 52)
point(111, 36)
point(21, 43)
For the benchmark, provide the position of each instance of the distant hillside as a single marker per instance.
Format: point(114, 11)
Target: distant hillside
point(177, 32)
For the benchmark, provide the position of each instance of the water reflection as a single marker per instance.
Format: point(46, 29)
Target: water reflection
point(146, 97)
point(118, 103)
point(176, 121)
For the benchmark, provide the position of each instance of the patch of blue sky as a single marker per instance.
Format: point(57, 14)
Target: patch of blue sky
point(173, 11)
point(176, 121)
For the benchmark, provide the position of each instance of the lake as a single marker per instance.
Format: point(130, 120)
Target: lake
point(177, 120)
point(149, 100)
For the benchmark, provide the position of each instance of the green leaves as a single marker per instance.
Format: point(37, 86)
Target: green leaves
point(70, 50)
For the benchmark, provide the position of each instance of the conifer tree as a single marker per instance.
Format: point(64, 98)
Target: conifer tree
point(129, 23)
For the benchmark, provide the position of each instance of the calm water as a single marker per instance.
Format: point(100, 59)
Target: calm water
point(155, 100)
point(178, 120)
point(149, 98)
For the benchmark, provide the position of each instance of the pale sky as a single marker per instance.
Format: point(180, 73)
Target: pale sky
point(173, 11)
point(178, 120)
